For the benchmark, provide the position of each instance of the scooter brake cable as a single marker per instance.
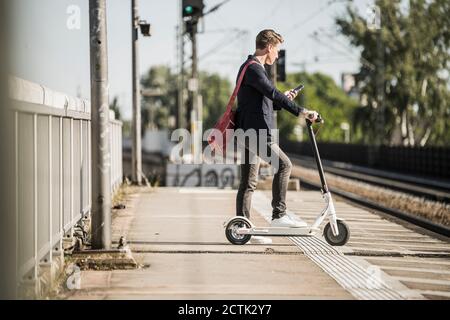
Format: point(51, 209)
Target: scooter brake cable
point(318, 129)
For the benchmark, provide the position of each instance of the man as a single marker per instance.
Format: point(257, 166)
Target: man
point(257, 99)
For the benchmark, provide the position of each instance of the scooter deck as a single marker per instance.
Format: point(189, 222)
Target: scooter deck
point(278, 232)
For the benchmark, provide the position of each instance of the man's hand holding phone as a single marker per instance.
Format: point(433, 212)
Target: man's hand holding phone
point(293, 93)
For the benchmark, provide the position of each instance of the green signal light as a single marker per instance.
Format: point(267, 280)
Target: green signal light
point(189, 10)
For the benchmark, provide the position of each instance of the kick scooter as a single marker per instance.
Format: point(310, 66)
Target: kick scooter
point(239, 230)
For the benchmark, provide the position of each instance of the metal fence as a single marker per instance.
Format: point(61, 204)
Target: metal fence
point(52, 184)
point(428, 161)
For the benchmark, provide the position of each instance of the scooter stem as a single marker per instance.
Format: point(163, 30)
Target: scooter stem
point(312, 137)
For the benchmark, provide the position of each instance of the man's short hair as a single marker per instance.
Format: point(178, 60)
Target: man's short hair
point(267, 37)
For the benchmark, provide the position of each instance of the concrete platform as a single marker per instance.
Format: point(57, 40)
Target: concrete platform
point(177, 236)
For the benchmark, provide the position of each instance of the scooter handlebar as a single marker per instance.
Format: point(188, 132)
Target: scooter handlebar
point(318, 120)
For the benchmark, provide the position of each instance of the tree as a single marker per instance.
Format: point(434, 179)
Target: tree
point(163, 102)
point(126, 125)
point(216, 92)
point(114, 106)
point(411, 55)
point(160, 102)
point(323, 95)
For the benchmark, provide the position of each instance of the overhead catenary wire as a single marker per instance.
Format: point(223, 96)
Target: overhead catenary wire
point(322, 60)
point(313, 15)
point(216, 7)
point(223, 44)
point(309, 18)
point(229, 38)
point(365, 62)
point(272, 13)
point(224, 30)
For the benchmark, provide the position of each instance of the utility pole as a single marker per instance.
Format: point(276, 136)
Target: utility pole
point(375, 153)
point(374, 24)
point(101, 157)
point(191, 12)
point(181, 114)
point(194, 66)
point(182, 109)
point(136, 152)
point(193, 82)
point(193, 86)
point(380, 90)
point(194, 76)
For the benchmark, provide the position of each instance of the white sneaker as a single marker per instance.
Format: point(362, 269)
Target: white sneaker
point(298, 220)
point(287, 222)
point(260, 240)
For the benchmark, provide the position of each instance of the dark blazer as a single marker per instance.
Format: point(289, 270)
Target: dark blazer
point(258, 98)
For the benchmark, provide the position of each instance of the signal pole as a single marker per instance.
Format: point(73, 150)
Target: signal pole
point(194, 68)
point(193, 86)
point(194, 81)
point(180, 109)
point(192, 12)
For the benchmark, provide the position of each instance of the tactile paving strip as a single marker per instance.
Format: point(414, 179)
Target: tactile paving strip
point(361, 282)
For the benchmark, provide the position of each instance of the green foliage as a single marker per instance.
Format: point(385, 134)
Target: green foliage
point(126, 125)
point(410, 69)
point(157, 108)
point(126, 128)
point(322, 95)
point(216, 92)
point(114, 106)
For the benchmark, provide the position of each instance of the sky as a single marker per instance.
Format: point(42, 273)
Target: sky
point(51, 40)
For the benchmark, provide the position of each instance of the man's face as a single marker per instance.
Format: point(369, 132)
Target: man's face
point(272, 55)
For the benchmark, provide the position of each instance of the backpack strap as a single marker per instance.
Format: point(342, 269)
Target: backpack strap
point(239, 83)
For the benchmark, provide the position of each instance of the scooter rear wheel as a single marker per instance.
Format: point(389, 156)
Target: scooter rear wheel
point(341, 239)
point(231, 231)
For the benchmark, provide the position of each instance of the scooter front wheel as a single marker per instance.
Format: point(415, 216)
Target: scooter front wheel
point(339, 240)
point(231, 231)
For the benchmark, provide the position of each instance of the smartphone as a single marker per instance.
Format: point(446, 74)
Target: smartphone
point(299, 88)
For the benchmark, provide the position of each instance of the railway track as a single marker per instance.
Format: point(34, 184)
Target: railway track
point(416, 189)
point(418, 186)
